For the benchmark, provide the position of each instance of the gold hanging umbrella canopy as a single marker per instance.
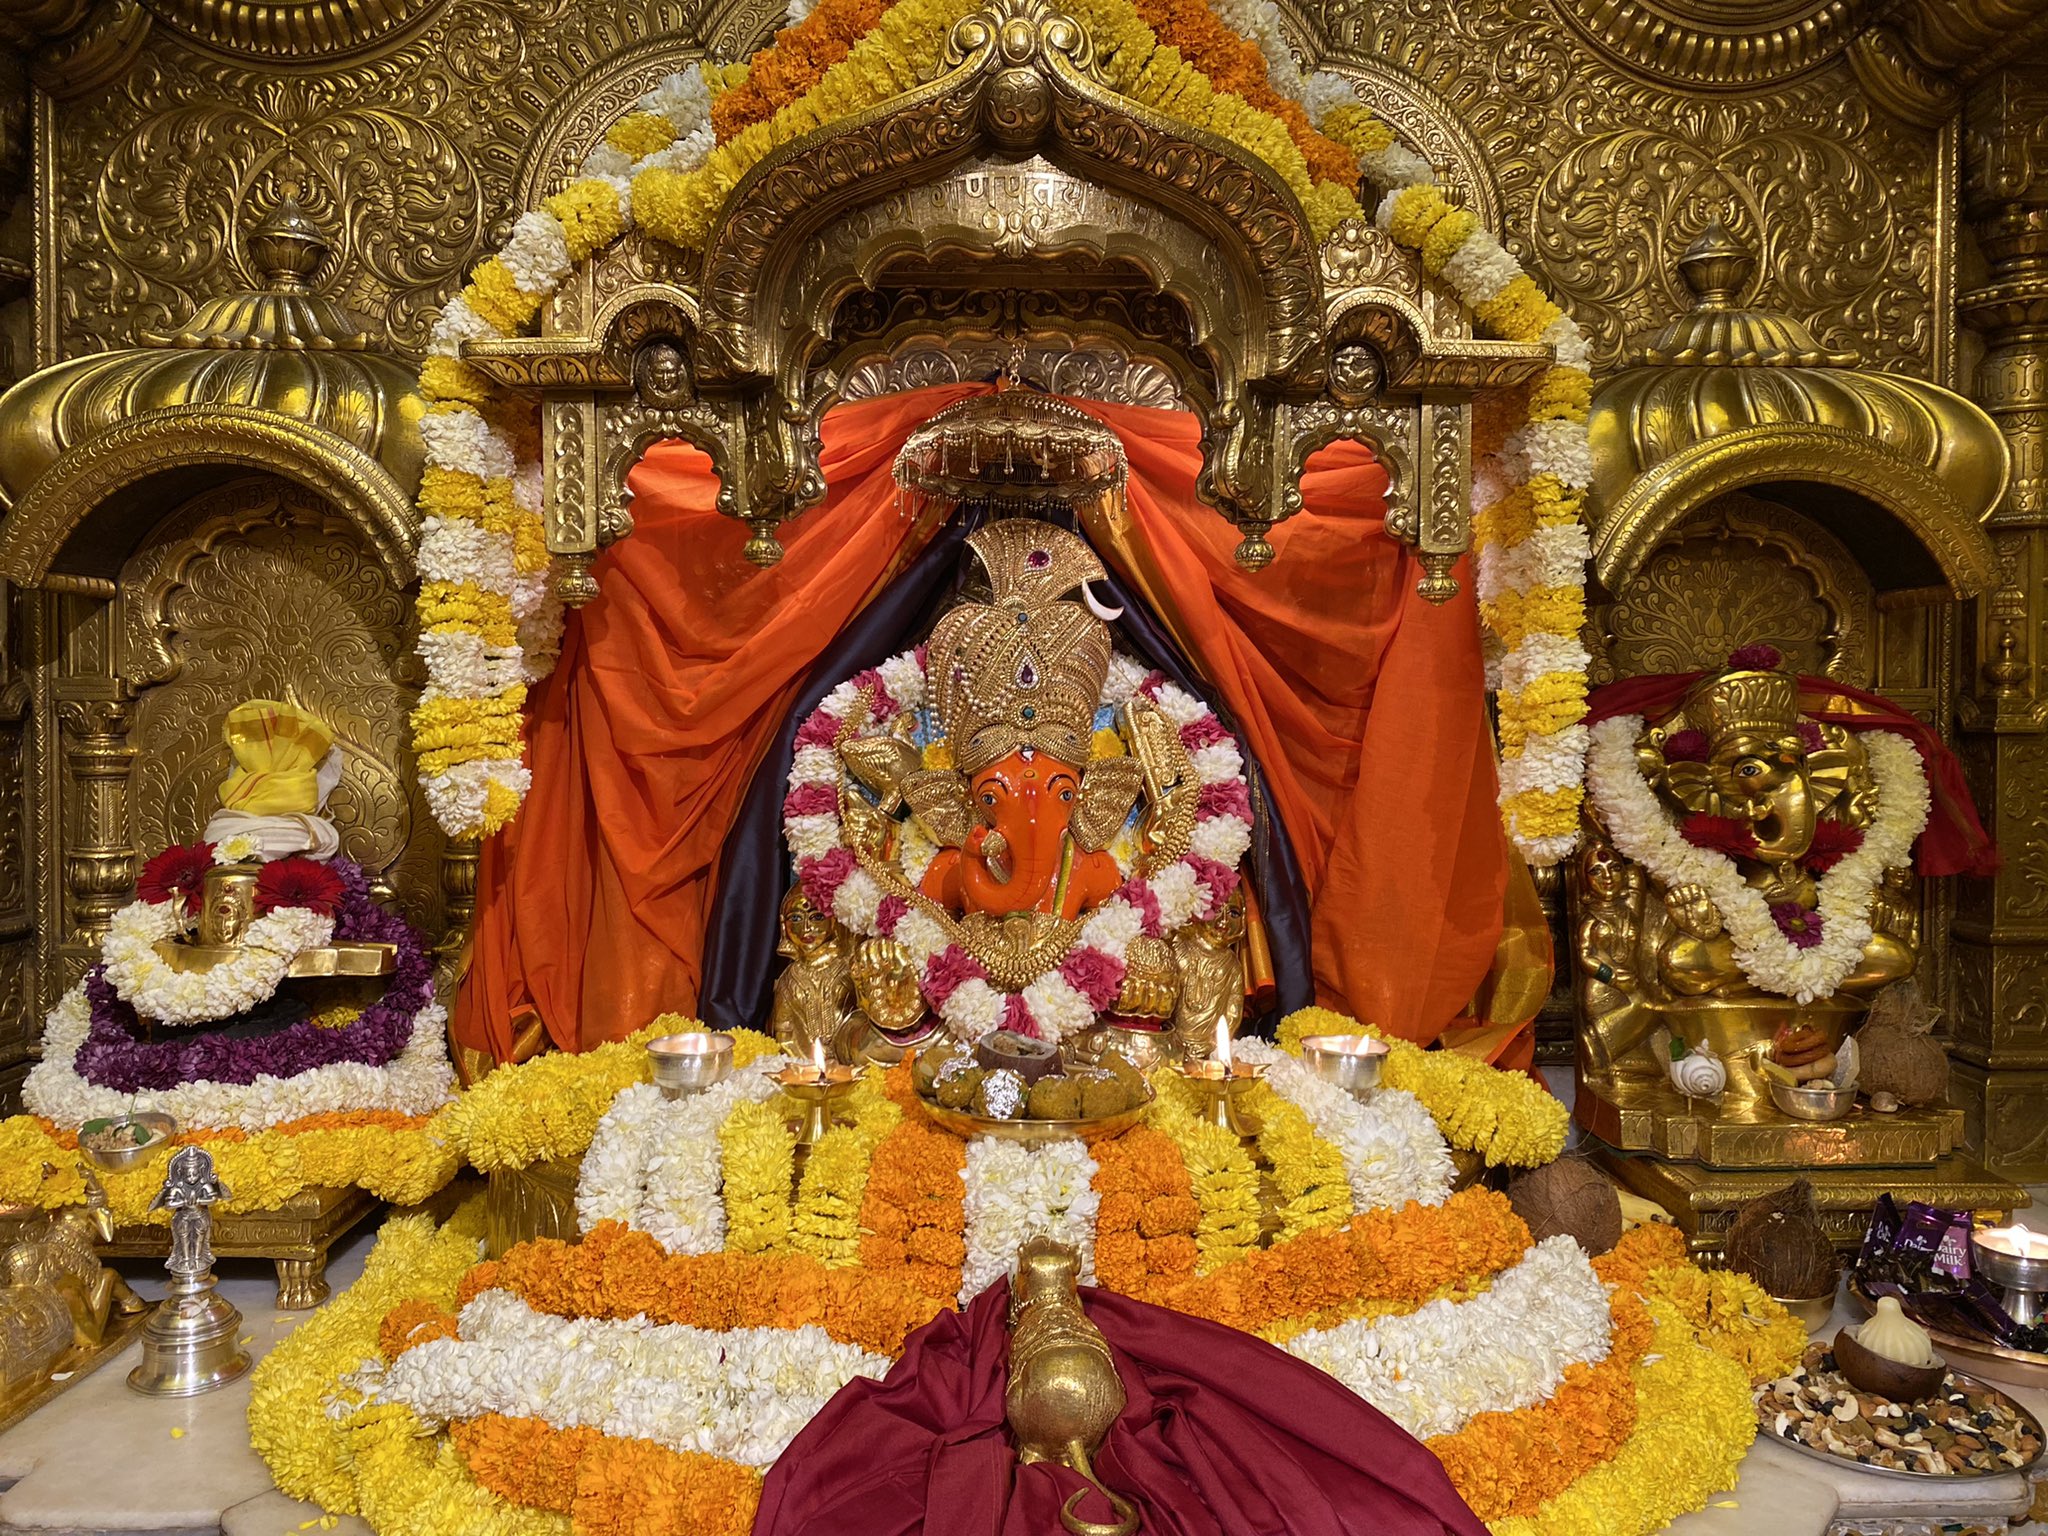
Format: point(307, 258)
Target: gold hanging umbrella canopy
point(1013, 443)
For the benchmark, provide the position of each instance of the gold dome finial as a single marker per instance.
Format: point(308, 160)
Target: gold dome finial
point(287, 247)
point(1716, 267)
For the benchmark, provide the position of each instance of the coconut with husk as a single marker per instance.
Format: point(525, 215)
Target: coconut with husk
point(1897, 1048)
point(1778, 1241)
point(1569, 1196)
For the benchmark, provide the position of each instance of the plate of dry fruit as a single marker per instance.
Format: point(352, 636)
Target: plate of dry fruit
point(1880, 1398)
point(1018, 1088)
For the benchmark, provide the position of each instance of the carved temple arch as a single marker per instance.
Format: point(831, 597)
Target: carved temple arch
point(1657, 502)
point(89, 474)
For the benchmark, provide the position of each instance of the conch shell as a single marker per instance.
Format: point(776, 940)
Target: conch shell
point(1699, 1074)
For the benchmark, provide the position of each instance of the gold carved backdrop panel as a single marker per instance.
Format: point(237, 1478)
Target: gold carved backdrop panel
point(1606, 174)
point(257, 590)
point(413, 156)
point(1743, 570)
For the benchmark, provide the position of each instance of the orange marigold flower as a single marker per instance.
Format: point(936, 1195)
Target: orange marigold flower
point(413, 1321)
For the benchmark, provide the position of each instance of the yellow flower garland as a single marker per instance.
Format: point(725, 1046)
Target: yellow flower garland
point(1225, 1180)
point(401, 1163)
point(826, 1220)
point(308, 1451)
point(547, 1109)
point(1694, 1422)
point(759, 1155)
point(1308, 1171)
point(1503, 1116)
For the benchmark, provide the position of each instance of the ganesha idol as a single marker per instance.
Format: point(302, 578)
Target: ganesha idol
point(1023, 821)
point(1745, 878)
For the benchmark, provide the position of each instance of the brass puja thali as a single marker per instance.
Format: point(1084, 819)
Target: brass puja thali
point(963, 1123)
point(1967, 1430)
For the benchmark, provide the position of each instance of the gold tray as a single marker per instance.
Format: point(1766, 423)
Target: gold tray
point(2013, 1367)
point(321, 960)
point(1036, 1132)
point(1820, 1454)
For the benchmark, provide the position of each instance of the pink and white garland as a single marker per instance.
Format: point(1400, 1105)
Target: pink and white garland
point(1071, 995)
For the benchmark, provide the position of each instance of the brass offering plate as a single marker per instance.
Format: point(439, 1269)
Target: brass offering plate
point(1764, 1434)
point(1036, 1132)
point(2014, 1367)
point(322, 960)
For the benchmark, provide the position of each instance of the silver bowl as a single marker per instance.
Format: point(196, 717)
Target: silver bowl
point(2021, 1276)
point(162, 1130)
point(1350, 1062)
point(1804, 1103)
point(690, 1063)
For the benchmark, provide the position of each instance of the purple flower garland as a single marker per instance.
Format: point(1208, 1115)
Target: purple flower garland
point(116, 1056)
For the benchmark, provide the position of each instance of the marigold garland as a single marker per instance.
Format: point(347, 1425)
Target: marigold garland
point(1506, 1117)
point(1509, 1463)
point(607, 1484)
point(616, 1272)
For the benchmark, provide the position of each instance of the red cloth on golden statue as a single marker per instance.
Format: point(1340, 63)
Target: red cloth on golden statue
point(1222, 1435)
point(1364, 705)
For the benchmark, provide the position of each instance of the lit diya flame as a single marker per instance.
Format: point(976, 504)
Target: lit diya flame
point(818, 1058)
point(1223, 1045)
point(2020, 1242)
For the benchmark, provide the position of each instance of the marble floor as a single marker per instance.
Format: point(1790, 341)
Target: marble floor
point(101, 1460)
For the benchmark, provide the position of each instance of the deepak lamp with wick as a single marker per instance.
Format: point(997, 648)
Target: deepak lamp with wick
point(1222, 1081)
point(1350, 1062)
point(819, 1090)
point(2015, 1259)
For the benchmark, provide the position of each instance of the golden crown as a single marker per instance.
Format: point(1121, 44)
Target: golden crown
point(1754, 703)
point(1026, 668)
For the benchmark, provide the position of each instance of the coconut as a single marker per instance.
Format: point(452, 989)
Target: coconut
point(1899, 1052)
point(1778, 1241)
point(1569, 1197)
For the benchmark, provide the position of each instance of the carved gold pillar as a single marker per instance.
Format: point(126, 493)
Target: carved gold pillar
point(2001, 1029)
point(99, 858)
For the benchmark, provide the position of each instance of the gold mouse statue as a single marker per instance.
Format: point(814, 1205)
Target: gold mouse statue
point(1064, 1392)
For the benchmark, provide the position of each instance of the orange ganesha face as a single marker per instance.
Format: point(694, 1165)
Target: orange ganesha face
point(1012, 864)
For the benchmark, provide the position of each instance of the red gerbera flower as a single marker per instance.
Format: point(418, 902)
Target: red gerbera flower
point(1722, 834)
point(1800, 925)
point(299, 883)
point(1833, 841)
point(175, 874)
point(1755, 658)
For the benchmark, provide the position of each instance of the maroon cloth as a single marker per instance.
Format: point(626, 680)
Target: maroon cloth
point(1955, 842)
point(1223, 1435)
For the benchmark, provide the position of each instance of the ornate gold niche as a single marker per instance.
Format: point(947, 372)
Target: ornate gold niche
point(1752, 484)
point(1016, 171)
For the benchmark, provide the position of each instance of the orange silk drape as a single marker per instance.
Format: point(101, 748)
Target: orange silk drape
point(591, 905)
point(1363, 704)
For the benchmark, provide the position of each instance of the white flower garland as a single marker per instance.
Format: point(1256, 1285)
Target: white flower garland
point(1161, 902)
point(741, 1394)
point(1393, 1153)
point(654, 1163)
point(417, 1081)
point(458, 664)
point(156, 990)
point(1437, 1368)
point(1015, 1192)
point(1643, 832)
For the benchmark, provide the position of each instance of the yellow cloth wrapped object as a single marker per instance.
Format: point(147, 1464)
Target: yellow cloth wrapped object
point(278, 750)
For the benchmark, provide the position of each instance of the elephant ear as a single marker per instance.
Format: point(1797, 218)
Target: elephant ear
point(1109, 788)
point(1692, 786)
point(939, 799)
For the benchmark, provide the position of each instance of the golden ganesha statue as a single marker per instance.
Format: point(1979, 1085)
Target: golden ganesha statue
point(1745, 877)
point(1014, 827)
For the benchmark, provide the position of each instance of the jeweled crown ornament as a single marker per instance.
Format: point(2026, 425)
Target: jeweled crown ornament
point(189, 1343)
point(1026, 668)
point(1747, 702)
